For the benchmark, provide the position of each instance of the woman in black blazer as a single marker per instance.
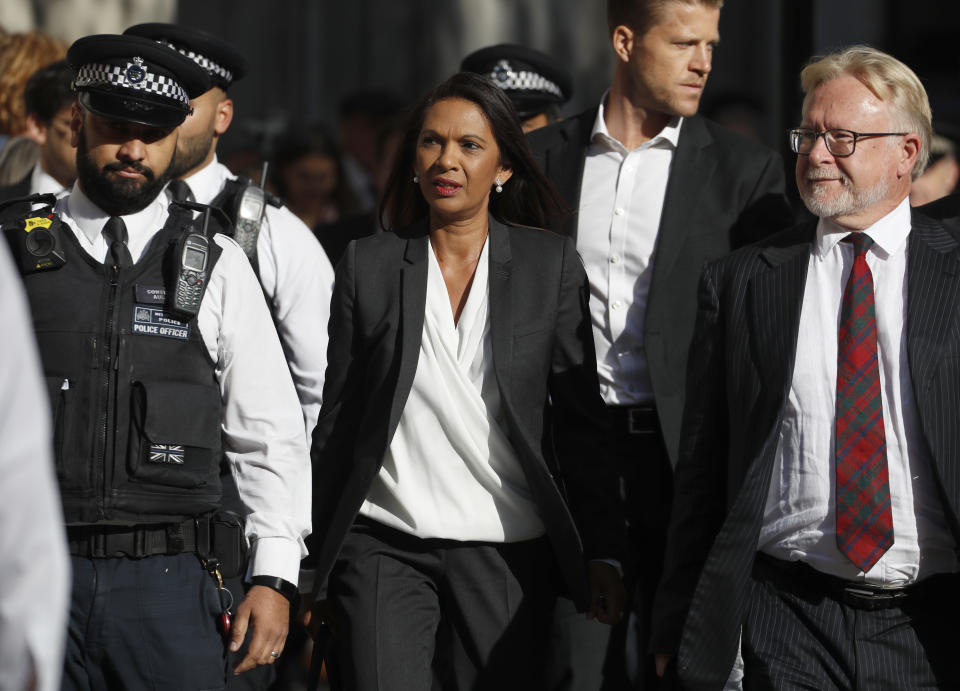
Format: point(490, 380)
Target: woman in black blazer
point(445, 522)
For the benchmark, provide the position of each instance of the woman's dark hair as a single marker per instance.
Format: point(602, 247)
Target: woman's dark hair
point(528, 198)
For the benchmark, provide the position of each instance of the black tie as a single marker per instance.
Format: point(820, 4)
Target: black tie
point(179, 191)
point(115, 231)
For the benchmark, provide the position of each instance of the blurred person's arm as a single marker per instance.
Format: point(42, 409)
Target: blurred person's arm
point(937, 181)
point(34, 599)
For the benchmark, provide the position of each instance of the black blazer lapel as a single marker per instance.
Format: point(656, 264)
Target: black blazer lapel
point(774, 299)
point(413, 299)
point(501, 300)
point(690, 176)
point(564, 161)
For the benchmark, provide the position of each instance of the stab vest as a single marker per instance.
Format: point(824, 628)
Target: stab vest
point(136, 404)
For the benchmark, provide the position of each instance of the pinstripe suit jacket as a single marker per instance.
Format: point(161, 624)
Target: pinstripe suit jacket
point(740, 372)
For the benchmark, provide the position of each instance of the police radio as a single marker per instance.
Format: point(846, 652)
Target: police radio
point(248, 212)
point(193, 260)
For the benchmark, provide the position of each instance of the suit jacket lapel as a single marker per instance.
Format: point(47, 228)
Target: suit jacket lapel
point(690, 174)
point(774, 300)
point(933, 289)
point(501, 311)
point(413, 300)
point(564, 163)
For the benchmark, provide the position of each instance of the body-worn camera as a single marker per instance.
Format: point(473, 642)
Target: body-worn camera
point(33, 235)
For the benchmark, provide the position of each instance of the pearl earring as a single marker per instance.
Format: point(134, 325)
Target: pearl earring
point(499, 187)
point(416, 179)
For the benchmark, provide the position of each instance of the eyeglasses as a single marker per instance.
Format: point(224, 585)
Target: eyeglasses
point(840, 143)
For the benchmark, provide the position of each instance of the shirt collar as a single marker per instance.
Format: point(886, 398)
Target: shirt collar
point(89, 217)
point(889, 234)
point(668, 136)
point(207, 182)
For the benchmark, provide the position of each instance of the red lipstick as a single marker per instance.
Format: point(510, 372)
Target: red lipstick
point(446, 187)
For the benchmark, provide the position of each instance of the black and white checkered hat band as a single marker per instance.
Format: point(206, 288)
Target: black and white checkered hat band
point(507, 79)
point(134, 76)
point(204, 62)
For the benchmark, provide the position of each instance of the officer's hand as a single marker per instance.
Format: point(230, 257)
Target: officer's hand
point(607, 595)
point(267, 612)
point(319, 616)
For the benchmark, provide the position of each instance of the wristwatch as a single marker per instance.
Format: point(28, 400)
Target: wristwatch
point(284, 587)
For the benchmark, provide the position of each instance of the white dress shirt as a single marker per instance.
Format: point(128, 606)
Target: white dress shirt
point(35, 595)
point(450, 470)
point(799, 521)
point(621, 201)
point(298, 280)
point(262, 425)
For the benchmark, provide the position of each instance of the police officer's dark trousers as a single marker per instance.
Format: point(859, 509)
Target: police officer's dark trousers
point(148, 623)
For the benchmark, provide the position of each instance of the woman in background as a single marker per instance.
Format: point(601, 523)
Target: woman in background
point(308, 176)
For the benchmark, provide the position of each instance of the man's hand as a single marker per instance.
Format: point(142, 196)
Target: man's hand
point(607, 595)
point(661, 660)
point(319, 616)
point(267, 612)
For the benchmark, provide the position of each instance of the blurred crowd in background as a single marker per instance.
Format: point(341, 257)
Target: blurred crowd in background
point(330, 81)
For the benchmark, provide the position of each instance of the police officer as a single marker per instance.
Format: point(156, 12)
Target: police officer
point(148, 400)
point(536, 84)
point(296, 275)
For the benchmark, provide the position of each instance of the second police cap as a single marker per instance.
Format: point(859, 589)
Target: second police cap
point(224, 63)
point(134, 79)
point(534, 81)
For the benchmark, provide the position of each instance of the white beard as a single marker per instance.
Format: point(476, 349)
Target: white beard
point(848, 201)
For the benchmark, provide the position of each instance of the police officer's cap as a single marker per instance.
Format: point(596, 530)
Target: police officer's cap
point(134, 79)
point(533, 80)
point(224, 63)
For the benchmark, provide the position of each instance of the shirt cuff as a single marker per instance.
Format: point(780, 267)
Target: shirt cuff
point(275, 556)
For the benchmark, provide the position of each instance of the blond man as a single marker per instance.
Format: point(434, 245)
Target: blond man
point(658, 190)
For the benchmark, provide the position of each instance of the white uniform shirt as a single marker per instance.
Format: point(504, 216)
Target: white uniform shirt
point(298, 279)
point(35, 595)
point(621, 201)
point(262, 427)
point(799, 521)
point(450, 471)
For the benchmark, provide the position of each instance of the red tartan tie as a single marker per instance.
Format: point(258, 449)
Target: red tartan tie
point(864, 518)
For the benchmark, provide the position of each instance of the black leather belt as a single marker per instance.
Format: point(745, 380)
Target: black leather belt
point(855, 594)
point(633, 419)
point(101, 541)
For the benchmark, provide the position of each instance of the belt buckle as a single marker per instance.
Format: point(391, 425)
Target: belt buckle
point(870, 599)
point(636, 424)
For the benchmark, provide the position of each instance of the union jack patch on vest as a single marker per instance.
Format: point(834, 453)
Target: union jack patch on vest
point(166, 453)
